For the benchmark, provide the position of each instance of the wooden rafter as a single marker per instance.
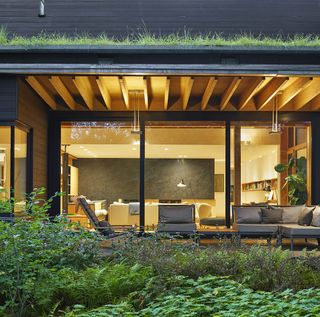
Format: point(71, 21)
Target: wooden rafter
point(145, 92)
point(186, 85)
point(269, 91)
point(166, 94)
point(84, 87)
point(62, 90)
point(306, 95)
point(124, 91)
point(250, 91)
point(229, 92)
point(315, 103)
point(293, 90)
point(103, 87)
point(208, 92)
point(42, 92)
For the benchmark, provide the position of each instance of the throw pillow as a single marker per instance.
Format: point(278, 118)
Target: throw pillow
point(305, 217)
point(249, 214)
point(290, 213)
point(271, 215)
point(316, 217)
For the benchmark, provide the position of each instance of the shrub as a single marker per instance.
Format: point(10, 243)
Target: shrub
point(261, 268)
point(33, 249)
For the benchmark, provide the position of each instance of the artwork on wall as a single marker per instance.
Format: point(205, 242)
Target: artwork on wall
point(219, 183)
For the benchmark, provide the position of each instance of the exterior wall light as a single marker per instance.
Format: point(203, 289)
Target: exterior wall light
point(41, 9)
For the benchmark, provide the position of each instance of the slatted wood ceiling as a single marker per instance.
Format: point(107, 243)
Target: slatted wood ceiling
point(177, 93)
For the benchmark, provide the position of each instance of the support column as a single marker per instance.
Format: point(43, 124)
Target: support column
point(65, 182)
point(315, 170)
point(142, 158)
point(227, 174)
point(237, 165)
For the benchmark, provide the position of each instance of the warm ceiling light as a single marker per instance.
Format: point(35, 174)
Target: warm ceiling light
point(134, 149)
point(166, 149)
point(136, 142)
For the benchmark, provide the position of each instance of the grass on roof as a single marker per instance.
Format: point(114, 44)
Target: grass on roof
point(147, 39)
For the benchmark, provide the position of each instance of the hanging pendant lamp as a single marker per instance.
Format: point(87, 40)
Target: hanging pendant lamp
point(136, 113)
point(276, 125)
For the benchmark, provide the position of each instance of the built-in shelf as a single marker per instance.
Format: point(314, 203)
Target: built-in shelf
point(260, 185)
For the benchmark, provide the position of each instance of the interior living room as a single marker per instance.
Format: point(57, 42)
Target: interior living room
point(184, 165)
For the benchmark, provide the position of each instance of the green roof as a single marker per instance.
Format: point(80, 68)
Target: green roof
point(148, 39)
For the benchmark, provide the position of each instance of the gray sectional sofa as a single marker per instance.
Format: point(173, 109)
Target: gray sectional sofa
point(277, 222)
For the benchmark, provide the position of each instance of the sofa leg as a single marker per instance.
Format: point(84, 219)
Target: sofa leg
point(306, 240)
point(279, 241)
point(269, 240)
point(318, 243)
point(291, 244)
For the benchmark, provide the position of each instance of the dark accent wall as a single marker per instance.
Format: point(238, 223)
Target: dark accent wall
point(125, 17)
point(8, 98)
point(34, 113)
point(112, 179)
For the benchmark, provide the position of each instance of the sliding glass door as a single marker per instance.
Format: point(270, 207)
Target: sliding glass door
point(185, 164)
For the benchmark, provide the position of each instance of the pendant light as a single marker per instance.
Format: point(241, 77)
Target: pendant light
point(136, 112)
point(41, 9)
point(181, 184)
point(276, 125)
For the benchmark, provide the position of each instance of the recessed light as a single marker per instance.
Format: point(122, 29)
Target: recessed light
point(166, 149)
point(134, 149)
point(137, 142)
point(81, 147)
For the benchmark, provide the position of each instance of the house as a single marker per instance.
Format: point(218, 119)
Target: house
point(195, 124)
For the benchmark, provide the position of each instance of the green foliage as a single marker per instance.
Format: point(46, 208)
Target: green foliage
point(94, 287)
point(33, 249)
point(146, 38)
point(259, 267)
point(214, 296)
point(296, 182)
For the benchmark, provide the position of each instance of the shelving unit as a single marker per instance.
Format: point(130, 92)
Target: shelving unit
point(260, 185)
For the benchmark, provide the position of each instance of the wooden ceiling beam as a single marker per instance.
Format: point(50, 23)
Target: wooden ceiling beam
point(166, 94)
point(208, 92)
point(63, 91)
point(306, 95)
point(229, 92)
point(250, 91)
point(125, 91)
point(145, 92)
point(102, 83)
point(269, 91)
point(84, 87)
point(42, 92)
point(315, 104)
point(293, 90)
point(186, 85)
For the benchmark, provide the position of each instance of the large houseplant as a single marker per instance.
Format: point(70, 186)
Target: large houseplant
point(296, 179)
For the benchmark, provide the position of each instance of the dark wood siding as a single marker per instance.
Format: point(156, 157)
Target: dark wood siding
point(8, 98)
point(34, 113)
point(124, 17)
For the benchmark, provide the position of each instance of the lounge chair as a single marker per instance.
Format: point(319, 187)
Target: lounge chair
point(103, 226)
point(178, 219)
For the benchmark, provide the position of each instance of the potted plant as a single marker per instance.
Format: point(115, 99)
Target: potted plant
point(296, 179)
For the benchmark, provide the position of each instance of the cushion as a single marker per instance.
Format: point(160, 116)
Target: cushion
point(258, 228)
point(292, 230)
point(177, 227)
point(248, 214)
point(176, 213)
point(212, 221)
point(305, 217)
point(271, 215)
point(316, 217)
point(290, 213)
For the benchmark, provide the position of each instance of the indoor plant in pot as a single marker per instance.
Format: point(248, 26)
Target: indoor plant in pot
point(296, 179)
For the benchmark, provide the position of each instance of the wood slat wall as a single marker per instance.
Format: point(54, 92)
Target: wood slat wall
point(120, 18)
point(34, 113)
point(8, 98)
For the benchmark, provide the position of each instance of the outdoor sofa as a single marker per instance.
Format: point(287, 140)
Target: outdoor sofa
point(277, 222)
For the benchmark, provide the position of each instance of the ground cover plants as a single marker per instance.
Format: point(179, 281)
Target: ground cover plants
point(146, 38)
point(52, 268)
